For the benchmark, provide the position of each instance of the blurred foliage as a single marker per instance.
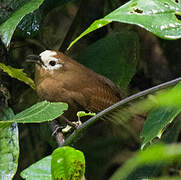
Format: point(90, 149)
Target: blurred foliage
point(132, 57)
point(156, 154)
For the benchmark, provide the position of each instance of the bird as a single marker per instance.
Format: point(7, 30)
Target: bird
point(59, 78)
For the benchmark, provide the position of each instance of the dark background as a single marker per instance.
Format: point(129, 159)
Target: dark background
point(107, 51)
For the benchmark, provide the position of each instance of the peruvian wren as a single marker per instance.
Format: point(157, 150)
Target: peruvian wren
point(59, 78)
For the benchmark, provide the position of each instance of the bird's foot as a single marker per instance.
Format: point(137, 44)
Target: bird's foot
point(57, 132)
point(78, 123)
point(57, 129)
point(67, 129)
point(74, 125)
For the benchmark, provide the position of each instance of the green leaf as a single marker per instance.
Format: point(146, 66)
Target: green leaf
point(40, 112)
point(8, 27)
point(159, 17)
point(18, 74)
point(165, 154)
point(67, 164)
point(73, 160)
point(9, 145)
point(114, 56)
point(95, 25)
point(156, 121)
point(40, 170)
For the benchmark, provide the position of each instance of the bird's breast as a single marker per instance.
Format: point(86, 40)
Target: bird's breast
point(51, 90)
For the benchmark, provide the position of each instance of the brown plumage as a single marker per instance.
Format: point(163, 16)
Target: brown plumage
point(60, 78)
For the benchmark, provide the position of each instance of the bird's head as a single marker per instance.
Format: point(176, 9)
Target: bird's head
point(48, 60)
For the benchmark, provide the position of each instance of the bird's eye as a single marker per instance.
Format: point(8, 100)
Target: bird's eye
point(52, 63)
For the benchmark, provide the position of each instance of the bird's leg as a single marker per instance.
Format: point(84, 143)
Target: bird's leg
point(79, 123)
point(57, 132)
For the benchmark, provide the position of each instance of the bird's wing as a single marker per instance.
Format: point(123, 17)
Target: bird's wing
point(97, 95)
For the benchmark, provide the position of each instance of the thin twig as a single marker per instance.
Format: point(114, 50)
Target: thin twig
point(92, 120)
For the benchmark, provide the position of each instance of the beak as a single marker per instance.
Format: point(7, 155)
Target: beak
point(35, 59)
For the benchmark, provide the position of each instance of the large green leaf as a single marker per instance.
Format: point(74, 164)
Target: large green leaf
point(156, 121)
point(18, 74)
point(114, 56)
point(164, 154)
point(159, 17)
point(8, 27)
point(40, 112)
point(67, 164)
point(40, 170)
point(9, 145)
point(168, 108)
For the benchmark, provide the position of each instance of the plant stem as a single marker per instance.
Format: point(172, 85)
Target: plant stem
point(77, 133)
